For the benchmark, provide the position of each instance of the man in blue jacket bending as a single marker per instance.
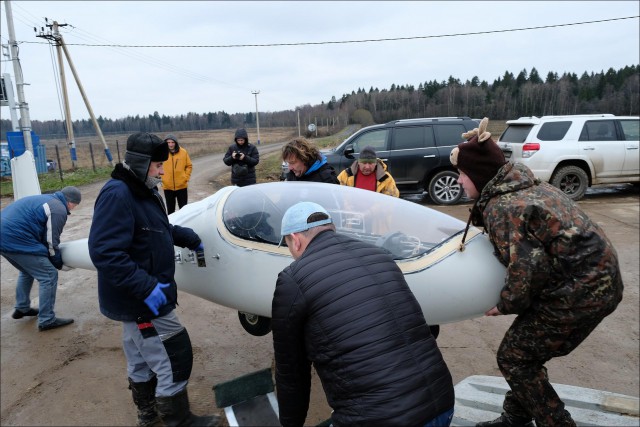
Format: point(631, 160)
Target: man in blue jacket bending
point(31, 228)
point(131, 244)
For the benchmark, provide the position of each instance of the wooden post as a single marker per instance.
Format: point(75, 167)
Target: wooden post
point(93, 160)
point(59, 164)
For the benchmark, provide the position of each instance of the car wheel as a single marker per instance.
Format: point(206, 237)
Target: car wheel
point(444, 188)
point(572, 181)
point(255, 325)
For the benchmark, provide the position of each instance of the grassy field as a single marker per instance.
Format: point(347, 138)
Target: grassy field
point(197, 143)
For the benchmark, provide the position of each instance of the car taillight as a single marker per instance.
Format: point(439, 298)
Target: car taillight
point(529, 149)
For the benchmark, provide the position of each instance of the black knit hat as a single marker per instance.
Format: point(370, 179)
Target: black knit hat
point(479, 157)
point(142, 149)
point(368, 153)
point(72, 194)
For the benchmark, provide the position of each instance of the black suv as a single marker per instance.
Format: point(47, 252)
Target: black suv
point(416, 152)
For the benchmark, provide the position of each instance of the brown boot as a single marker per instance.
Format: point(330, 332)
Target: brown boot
point(174, 411)
point(144, 396)
point(505, 420)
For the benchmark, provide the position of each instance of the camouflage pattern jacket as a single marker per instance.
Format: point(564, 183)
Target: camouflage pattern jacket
point(559, 263)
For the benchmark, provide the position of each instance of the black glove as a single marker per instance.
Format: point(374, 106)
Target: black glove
point(200, 255)
point(56, 260)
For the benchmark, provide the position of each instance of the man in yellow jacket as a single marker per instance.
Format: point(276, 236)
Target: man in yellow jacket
point(177, 172)
point(369, 173)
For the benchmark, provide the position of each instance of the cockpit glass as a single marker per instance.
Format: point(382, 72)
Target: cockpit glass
point(405, 229)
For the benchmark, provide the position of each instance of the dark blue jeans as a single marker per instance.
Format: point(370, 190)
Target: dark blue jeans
point(442, 420)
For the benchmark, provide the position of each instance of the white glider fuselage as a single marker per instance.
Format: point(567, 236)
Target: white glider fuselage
point(240, 229)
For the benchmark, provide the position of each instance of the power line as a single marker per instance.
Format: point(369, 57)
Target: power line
point(356, 41)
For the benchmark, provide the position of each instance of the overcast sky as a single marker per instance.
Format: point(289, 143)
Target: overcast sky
point(122, 81)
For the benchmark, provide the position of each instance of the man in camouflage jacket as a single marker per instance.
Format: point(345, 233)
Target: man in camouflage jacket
point(562, 277)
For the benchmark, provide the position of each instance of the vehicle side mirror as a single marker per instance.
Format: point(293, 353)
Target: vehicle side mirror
point(348, 151)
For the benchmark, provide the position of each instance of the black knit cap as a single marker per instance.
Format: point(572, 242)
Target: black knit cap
point(368, 153)
point(479, 157)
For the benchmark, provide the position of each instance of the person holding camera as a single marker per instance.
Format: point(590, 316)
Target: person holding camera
point(243, 158)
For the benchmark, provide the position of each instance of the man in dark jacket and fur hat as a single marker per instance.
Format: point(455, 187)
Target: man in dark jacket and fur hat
point(344, 306)
point(243, 158)
point(131, 244)
point(563, 275)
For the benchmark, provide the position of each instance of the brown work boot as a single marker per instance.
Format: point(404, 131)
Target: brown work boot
point(505, 420)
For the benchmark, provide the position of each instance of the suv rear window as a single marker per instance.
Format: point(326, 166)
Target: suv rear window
point(553, 131)
point(599, 130)
point(409, 137)
point(631, 129)
point(376, 138)
point(516, 133)
point(449, 135)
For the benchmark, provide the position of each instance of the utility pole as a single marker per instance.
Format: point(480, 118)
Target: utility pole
point(256, 92)
point(71, 142)
point(25, 121)
point(57, 37)
point(298, 111)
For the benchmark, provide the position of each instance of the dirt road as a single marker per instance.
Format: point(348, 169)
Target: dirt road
point(76, 375)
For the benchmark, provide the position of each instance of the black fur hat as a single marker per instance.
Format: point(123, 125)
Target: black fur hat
point(142, 149)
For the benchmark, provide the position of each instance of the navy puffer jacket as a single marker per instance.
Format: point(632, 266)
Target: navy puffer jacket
point(345, 307)
point(131, 244)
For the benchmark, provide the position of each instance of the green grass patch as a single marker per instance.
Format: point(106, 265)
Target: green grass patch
point(50, 182)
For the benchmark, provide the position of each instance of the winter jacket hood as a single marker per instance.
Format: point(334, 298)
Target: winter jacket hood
point(241, 133)
point(172, 137)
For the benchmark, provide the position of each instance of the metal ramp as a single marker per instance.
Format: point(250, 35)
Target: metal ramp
point(250, 401)
point(479, 398)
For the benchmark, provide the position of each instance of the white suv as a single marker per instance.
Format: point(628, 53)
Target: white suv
point(575, 152)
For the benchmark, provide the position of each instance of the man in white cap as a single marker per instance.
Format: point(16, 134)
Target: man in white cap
point(344, 306)
point(31, 228)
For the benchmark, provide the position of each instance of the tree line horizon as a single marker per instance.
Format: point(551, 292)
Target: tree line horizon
point(508, 97)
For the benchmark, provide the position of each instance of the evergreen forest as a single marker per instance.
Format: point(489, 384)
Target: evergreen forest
point(507, 97)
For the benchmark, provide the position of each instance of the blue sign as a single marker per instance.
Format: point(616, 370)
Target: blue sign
point(17, 148)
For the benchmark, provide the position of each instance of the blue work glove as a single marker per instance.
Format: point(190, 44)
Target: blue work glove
point(200, 247)
point(157, 298)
